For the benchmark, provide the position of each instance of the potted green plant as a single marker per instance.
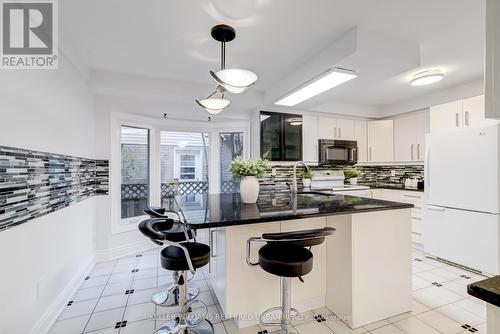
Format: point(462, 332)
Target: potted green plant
point(305, 176)
point(249, 172)
point(352, 174)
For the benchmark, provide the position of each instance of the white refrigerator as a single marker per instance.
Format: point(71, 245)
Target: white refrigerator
point(462, 202)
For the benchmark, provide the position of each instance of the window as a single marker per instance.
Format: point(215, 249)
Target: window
point(184, 163)
point(230, 147)
point(134, 171)
point(187, 166)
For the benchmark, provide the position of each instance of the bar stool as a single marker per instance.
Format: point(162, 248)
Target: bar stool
point(181, 257)
point(285, 255)
point(173, 230)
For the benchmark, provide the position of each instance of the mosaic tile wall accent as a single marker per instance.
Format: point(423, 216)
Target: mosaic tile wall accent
point(33, 184)
point(371, 175)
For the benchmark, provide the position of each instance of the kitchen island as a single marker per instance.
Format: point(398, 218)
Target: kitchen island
point(362, 272)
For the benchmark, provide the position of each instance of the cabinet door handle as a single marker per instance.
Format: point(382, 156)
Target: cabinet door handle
point(335, 132)
point(316, 152)
point(411, 149)
point(370, 152)
point(457, 120)
point(418, 151)
point(340, 132)
point(467, 118)
point(412, 196)
point(212, 254)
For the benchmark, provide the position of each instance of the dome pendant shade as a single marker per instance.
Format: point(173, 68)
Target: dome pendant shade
point(234, 80)
point(213, 105)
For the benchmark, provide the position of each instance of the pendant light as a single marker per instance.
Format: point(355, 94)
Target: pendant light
point(233, 80)
point(212, 104)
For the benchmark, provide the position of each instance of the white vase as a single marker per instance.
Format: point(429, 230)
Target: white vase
point(353, 180)
point(249, 189)
point(306, 183)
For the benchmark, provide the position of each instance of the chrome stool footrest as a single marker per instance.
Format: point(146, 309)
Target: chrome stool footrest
point(293, 314)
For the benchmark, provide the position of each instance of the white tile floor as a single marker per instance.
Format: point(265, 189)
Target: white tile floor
point(114, 293)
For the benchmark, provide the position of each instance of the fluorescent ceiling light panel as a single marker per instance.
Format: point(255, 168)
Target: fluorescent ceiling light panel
point(322, 83)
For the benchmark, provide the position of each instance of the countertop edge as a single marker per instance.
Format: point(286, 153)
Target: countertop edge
point(399, 206)
point(480, 290)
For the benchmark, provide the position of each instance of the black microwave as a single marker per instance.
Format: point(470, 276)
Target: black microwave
point(337, 152)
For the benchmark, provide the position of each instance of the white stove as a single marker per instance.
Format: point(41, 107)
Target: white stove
point(333, 181)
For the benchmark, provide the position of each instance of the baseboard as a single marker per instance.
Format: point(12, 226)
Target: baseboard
point(46, 321)
point(128, 249)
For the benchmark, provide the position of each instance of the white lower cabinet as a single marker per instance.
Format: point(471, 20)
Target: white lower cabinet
point(228, 269)
point(406, 196)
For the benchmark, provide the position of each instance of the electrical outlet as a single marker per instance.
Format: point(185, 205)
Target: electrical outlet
point(273, 171)
point(393, 172)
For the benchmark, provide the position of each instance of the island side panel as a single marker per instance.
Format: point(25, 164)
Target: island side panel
point(369, 266)
point(381, 265)
point(339, 267)
point(310, 294)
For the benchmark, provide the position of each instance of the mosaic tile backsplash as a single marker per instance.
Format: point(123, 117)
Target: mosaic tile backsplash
point(371, 175)
point(33, 184)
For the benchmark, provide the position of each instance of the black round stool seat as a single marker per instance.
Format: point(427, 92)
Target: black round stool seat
point(285, 260)
point(173, 258)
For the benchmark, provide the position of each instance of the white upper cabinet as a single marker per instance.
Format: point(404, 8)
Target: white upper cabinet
point(310, 139)
point(360, 135)
point(492, 52)
point(446, 117)
point(327, 128)
point(381, 141)
point(345, 129)
point(467, 113)
point(473, 113)
point(336, 128)
point(409, 137)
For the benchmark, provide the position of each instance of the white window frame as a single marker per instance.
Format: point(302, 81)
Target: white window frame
point(155, 127)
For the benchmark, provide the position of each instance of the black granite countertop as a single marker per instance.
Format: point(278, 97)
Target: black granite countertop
point(487, 290)
point(220, 210)
point(391, 187)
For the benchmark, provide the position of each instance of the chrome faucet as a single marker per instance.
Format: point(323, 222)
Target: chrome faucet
point(294, 176)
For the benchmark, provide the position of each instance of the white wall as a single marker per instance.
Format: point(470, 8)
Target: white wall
point(50, 111)
point(469, 89)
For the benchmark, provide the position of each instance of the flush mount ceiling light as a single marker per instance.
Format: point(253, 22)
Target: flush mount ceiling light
point(323, 82)
point(426, 78)
point(234, 80)
point(212, 104)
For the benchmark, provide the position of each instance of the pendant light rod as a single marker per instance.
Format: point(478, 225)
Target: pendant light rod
point(222, 55)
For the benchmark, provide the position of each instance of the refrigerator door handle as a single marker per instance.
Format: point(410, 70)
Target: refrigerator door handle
point(435, 208)
point(426, 168)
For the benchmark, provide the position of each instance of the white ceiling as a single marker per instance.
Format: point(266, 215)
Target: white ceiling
point(171, 39)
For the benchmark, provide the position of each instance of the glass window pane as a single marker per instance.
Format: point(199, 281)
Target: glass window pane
point(231, 146)
point(135, 171)
point(184, 164)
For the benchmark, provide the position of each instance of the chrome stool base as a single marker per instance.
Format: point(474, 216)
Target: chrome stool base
point(282, 331)
point(169, 296)
point(173, 327)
